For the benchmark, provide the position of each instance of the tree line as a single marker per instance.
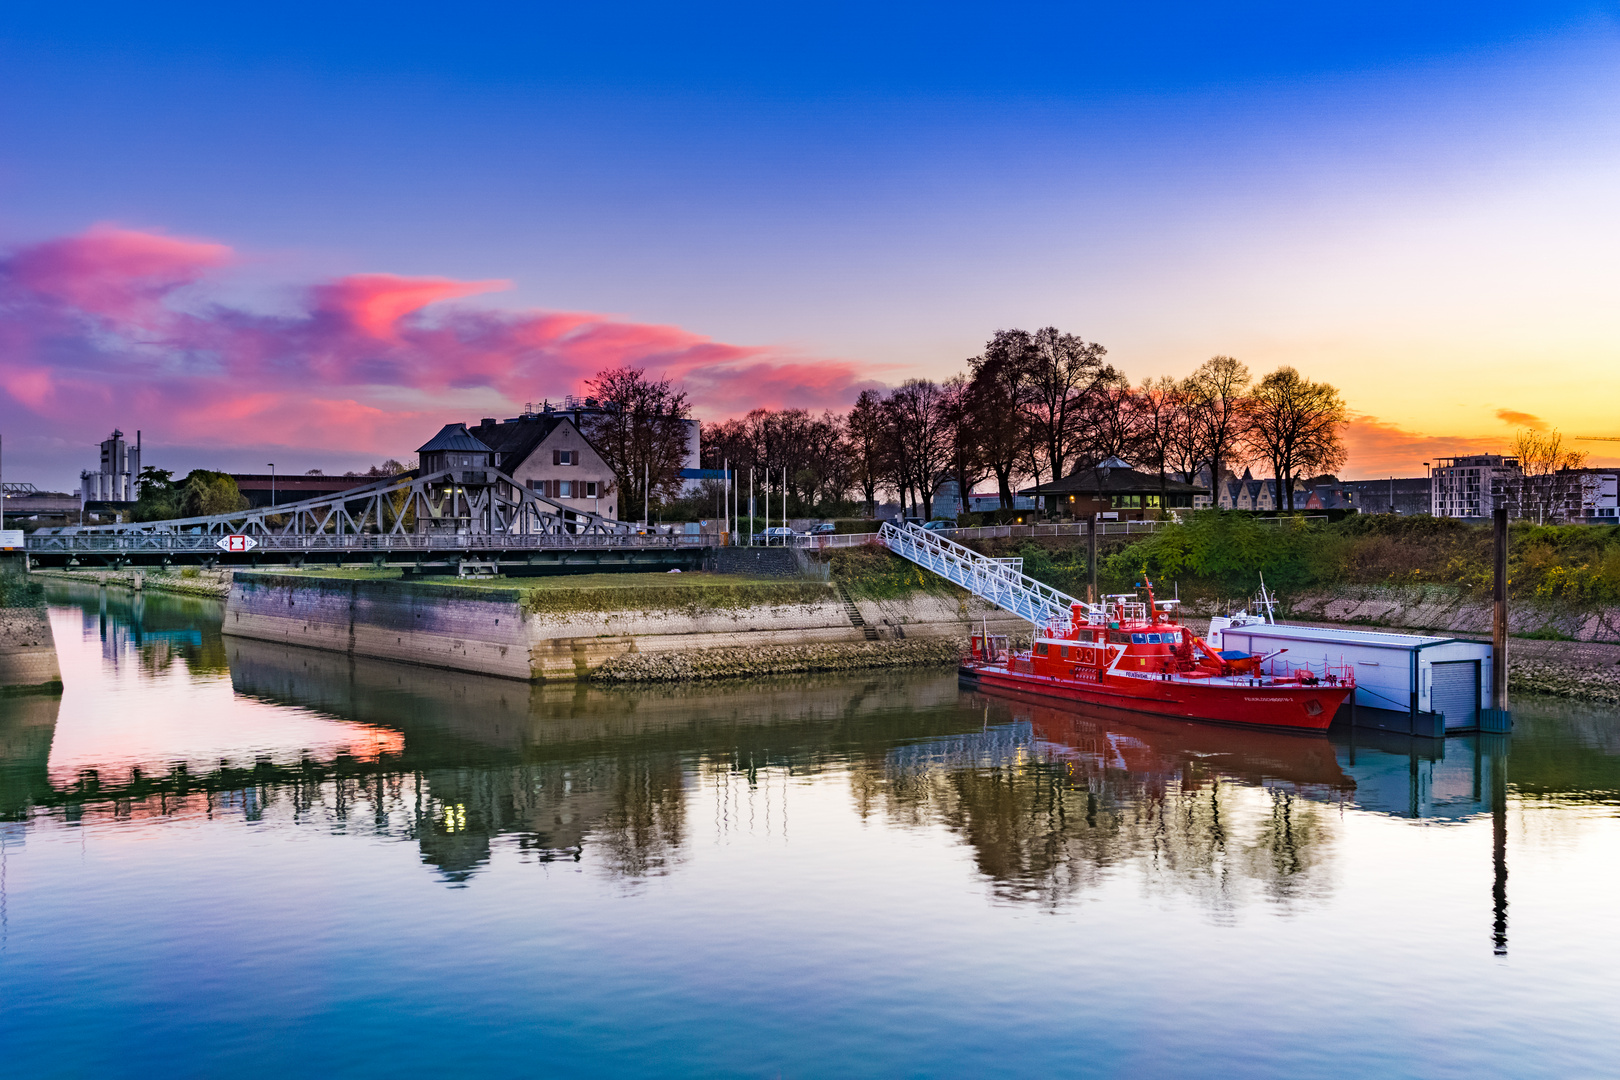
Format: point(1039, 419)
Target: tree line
point(1031, 408)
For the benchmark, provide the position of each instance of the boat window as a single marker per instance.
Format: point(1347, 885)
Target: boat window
point(1153, 639)
point(1119, 637)
point(1138, 639)
point(1172, 638)
point(1041, 649)
point(1085, 635)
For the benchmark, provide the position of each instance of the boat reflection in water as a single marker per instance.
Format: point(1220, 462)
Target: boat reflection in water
point(1051, 798)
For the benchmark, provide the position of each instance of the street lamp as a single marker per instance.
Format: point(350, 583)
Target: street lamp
point(272, 483)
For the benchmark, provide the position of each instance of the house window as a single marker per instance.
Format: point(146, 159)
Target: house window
point(591, 490)
point(565, 457)
point(565, 489)
point(534, 485)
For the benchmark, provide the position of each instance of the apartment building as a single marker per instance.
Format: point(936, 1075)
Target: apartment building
point(1472, 486)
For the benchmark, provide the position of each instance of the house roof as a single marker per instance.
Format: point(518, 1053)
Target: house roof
point(453, 437)
point(514, 440)
point(1113, 480)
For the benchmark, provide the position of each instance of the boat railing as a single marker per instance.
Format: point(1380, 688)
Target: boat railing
point(1321, 670)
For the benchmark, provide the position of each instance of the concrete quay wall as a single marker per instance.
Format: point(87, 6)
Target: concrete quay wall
point(438, 625)
point(490, 630)
point(27, 651)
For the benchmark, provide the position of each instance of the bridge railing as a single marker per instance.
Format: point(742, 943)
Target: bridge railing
point(113, 543)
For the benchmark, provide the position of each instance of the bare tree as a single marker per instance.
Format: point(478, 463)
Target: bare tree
point(1159, 420)
point(864, 429)
point(1108, 420)
point(919, 437)
point(1547, 487)
point(1295, 424)
point(1064, 370)
point(999, 385)
point(1216, 393)
point(1186, 450)
point(641, 432)
point(828, 468)
point(963, 441)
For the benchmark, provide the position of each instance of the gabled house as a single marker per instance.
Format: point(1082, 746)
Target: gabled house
point(549, 455)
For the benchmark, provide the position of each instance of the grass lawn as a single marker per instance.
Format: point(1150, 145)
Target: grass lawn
point(552, 582)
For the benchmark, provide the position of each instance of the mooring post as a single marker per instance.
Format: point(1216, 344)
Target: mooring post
point(1498, 718)
point(1499, 619)
point(1091, 558)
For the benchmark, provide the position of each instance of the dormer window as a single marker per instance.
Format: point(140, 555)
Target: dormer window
point(565, 457)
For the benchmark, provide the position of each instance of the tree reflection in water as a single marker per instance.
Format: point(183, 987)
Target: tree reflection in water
point(1062, 800)
point(1053, 802)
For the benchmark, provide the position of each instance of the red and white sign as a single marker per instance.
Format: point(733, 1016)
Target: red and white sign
point(237, 542)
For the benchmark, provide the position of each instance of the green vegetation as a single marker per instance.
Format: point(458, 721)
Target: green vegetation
point(1218, 553)
point(20, 590)
point(1222, 555)
point(201, 492)
point(344, 573)
point(690, 594)
point(570, 594)
point(873, 573)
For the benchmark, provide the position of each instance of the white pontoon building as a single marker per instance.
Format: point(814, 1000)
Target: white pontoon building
point(1417, 685)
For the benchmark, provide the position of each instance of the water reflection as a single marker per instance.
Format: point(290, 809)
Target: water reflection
point(1060, 799)
point(176, 628)
point(164, 718)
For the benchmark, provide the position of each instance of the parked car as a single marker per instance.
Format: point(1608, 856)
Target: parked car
point(939, 525)
point(776, 535)
point(822, 528)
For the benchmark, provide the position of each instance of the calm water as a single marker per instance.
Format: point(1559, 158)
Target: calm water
point(221, 856)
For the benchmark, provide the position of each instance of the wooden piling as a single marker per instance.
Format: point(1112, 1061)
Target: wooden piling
point(1091, 558)
point(1497, 717)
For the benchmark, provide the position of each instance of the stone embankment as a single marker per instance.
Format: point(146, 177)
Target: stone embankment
point(27, 648)
point(780, 660)
point(640, 632)
point(1449, 610)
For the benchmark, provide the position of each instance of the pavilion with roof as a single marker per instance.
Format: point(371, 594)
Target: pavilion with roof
point(1112, 487)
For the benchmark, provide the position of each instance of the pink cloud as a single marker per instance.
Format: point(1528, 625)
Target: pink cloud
point(1379, 448)
point(114, 273)
point(1521, 419)
point(377, 302)
point(93, 333)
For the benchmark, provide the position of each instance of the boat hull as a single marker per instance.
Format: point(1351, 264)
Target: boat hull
point(1297, 708)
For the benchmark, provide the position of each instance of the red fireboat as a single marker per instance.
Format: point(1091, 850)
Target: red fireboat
point(1130, 654)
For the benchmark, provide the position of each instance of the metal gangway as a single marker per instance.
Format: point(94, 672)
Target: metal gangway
point(1000, 581)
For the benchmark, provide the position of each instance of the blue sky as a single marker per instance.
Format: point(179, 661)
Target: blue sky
point(1412, 201)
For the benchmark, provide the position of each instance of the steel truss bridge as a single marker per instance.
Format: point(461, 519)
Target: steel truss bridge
point(457, 518)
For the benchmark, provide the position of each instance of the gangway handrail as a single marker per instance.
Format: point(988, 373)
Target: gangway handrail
point(1003, 585)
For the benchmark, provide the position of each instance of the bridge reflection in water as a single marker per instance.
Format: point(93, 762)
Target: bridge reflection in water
point(1051, 801)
